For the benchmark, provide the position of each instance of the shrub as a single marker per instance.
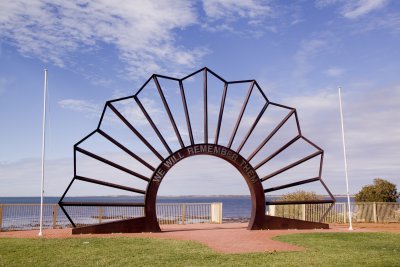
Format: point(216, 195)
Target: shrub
point(300, 195)
point(380, 191)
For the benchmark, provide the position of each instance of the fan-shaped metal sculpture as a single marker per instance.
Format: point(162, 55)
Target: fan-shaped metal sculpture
point(185, 142)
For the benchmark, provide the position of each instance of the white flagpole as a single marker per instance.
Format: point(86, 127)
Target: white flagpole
point(43, 152)
point(345, 161)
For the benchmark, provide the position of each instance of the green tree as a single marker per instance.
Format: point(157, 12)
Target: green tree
point(380, 191)
point(299, 195)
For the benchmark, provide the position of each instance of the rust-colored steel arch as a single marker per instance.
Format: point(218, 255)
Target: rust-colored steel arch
point(227, 154)
point(209, 144)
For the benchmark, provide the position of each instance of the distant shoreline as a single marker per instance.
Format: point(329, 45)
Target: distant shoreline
point(167, 196)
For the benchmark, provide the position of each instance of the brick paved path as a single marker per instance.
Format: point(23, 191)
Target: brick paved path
point(224, 238)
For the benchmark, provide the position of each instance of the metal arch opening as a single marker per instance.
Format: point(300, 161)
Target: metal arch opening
point(227, 154)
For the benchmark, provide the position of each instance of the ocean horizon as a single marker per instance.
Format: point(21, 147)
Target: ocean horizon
point(233, 206)
point(166, 198)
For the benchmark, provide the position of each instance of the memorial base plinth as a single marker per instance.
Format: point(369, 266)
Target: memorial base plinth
point(135, 225)
point(280, 223)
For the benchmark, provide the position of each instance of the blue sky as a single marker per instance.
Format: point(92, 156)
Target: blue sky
point(298, 51)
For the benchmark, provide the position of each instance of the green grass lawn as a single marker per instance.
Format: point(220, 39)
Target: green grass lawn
point(322, 249)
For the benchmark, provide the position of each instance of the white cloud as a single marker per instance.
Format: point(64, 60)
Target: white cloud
point(22, 178)
point(222, 15)
point(325, 3)
point(310, 48)
point(231, 9)
point(354, 9)
point(320, 101)
point(334, 72)
point(80, 106)
point(358, 8)
point(390, 21)
point(371, 128)
point(142, 31)
point(307, 51)
point(128, 108)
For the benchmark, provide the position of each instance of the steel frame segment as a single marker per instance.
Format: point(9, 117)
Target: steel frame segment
point(85, 138)
point(60, 202)
point(239, 119)
point(261, 91)
point(266, 140)
point(281, 106)
point(205, 106)
point(216, 75)
point(311, 143)
point(167, 77)
point(221, 113)
point(142, 108)
point(319, 149)
point(252, 127)
point(120, 99)
point(194, 73)
point(327, 190)
point(74, 161)
point(320, 164)
point(294, 164)
point(144, 85)
point(110, 163)
point(185, 108)
point(298, 202)
point(276, 188)
point(102, 204)
point(125, 149)
point(102, 116)
point(78, 143)
point(171, 118)
point(241, 81)
point(297, 122)
point(136, 132)
point(326, 212)
point(66, 190)
point(331, 196)
point(277, 152)
point(117, 186)
point(66, 214)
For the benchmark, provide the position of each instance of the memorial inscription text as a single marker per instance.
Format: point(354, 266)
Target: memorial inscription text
point(206, 149)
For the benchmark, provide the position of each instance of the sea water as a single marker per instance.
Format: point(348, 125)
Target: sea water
point(233, 207)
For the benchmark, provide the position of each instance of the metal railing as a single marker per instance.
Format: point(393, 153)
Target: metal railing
point(378, 212)
point(26, 216)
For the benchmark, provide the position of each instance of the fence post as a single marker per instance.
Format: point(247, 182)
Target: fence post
point(374, 212)
point(183, 213)
point(271, 209)
point(303, 216)
point(216, 212)
point(54, 216)
point(220, 212)
point(1, 216)
point(100, 214)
